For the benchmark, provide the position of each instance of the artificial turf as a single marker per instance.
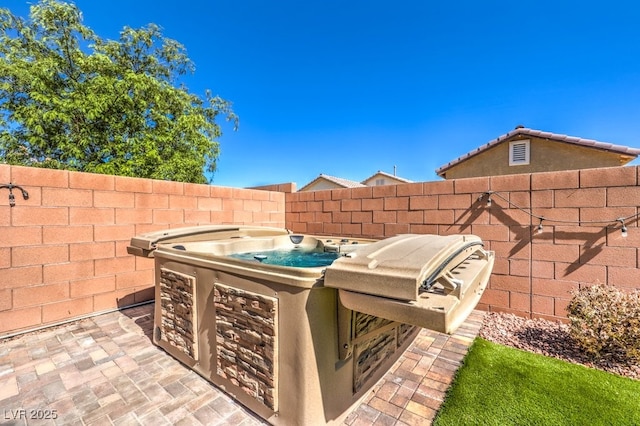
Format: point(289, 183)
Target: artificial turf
point(499, 385)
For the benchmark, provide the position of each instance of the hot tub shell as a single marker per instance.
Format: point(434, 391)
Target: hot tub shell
point(298, 345)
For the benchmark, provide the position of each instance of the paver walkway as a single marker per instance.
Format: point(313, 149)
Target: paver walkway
point(106, 371)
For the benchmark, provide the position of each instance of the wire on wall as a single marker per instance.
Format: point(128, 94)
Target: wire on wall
point(539, 229)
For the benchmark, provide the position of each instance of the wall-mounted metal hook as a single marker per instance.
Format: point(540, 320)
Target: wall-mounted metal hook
point(12, 198)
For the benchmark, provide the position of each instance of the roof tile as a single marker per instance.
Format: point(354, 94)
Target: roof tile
point(344, 183)
point(540, 134)
point(389, 175)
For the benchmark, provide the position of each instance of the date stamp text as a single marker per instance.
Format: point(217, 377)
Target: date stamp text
point(29, 414)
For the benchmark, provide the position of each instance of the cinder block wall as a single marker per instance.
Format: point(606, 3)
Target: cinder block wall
point(63, 251)
point(534, 273)
point(279, 187)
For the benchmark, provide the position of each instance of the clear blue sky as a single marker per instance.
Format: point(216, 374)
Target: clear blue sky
point(347, 88)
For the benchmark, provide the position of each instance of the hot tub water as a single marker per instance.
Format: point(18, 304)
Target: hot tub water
point(295, 258)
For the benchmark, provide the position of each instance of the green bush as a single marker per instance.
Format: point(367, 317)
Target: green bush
point(605, 322)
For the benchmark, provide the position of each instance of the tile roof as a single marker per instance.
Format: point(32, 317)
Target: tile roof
point(389, 175)
point(345, 183)
point(590, 143)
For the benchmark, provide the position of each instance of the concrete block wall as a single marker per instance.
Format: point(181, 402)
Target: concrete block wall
point(63, 251)
point(534, 274)
point(279, 187)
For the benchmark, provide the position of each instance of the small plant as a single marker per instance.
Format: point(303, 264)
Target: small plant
point(605, 322)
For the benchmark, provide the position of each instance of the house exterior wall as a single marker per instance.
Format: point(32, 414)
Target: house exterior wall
point(372, 181)
point(545, 156)
point(63, 251)
point(534, 274)
point(320, 185)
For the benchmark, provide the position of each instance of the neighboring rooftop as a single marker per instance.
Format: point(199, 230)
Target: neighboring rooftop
point(387, 175)
point(627, 152)
point(331, 182)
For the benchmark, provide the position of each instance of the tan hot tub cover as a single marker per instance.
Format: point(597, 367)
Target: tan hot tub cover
point(430, 281)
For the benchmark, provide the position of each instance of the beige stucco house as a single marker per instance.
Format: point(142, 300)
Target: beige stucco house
point(383, 178)
point(525, 150)
point(329, 182)
point(332, 182)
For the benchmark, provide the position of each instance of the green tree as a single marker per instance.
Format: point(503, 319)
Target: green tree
point(71, 100)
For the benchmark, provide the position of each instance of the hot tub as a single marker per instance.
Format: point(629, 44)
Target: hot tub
point(303, 345)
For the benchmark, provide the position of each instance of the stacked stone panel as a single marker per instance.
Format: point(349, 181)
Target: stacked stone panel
point(371, 353)
point(177, 300)
point(246, 325)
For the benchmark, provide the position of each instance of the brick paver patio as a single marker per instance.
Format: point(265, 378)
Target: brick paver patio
point(105, 370)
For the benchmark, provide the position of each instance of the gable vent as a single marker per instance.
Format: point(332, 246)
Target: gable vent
point(519, 153)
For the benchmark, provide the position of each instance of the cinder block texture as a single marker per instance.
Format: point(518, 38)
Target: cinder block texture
point(63, 251)
point(534, 274)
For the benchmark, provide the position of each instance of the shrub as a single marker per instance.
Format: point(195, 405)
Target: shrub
point(605, 322)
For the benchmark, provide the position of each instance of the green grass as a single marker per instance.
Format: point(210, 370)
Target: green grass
point(499, 385)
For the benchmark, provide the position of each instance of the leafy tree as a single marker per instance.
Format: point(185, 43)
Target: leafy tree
point(71, 100)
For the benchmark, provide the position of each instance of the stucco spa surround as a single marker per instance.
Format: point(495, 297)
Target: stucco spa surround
point(298, 342)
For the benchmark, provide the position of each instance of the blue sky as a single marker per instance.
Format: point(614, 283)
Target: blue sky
point(347, 88)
